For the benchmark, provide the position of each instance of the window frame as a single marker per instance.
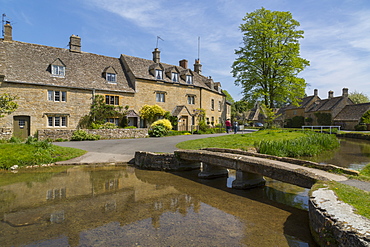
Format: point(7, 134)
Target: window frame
point(159, 74)
point(57, 121)
point(58, 70)
point(189, 79)
point(212, 104)
point(57, 96)
point(191, 99)
point(160, 97)
point(111, 77)
point(112, 99)
point(175, 76)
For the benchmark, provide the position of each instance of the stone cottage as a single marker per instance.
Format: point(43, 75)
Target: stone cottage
point(55, 86)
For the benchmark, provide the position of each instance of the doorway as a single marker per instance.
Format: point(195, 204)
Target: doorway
point(21, 127)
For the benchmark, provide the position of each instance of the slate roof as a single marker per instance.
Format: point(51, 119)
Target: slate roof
point(306, 101)
point(352, 112)
point(140, 68)
point(31, 63)
point(326, 104)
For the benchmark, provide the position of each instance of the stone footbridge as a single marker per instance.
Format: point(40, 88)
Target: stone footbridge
point(250, 167)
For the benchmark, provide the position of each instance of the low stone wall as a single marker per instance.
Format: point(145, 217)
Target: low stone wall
point(54, 134)
point(363, 136)
point(162, 162)
point(334, 223)
point(6, 133)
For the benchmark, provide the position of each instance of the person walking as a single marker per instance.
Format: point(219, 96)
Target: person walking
point(228, 125)
point(235, 127)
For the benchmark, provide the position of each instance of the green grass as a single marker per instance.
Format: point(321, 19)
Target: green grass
point(359, 199)
point(240, 141)
point(22, 154)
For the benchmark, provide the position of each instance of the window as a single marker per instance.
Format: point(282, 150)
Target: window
point(175, 77)
point(111, 77)
point(189, 79)
point(111, 100)
point(160, 97)
point(191, 99)
point(219, 106)
point(58, 96)
point(212, 104)
point(113, 120)
point(57, 121)
point(159, 74)
point(58, 70)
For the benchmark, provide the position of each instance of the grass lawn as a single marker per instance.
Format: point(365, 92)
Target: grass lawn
point(22, 154)
point(239, 141)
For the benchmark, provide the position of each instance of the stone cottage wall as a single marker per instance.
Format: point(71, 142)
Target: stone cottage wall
point(6, 133)
point(54, 134)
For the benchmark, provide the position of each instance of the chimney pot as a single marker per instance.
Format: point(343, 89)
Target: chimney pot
point(197, 66)
point(8, 29)
point(184, 63)
point(156, 55)
point(315, 92)
point(330, 94)
point(75, 43)
point(345, 92)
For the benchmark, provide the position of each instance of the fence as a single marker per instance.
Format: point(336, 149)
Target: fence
point(321, 128)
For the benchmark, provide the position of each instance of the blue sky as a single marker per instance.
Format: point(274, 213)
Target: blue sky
point(337, 33)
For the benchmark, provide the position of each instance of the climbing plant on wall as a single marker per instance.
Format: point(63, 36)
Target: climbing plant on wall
point(323, 118)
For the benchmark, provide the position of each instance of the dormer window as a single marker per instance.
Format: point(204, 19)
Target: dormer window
point(189, 79)
point(58, 70)
point(159, 74)
point(175, 77)
point(110, 74)
point(110, 77)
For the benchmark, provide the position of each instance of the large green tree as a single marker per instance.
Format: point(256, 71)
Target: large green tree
point(358, 97)
point(268, 64)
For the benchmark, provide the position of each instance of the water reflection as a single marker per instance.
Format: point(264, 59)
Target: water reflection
point(352, 153)
point(122, 206)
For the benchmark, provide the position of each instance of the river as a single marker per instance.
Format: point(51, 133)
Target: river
point(124, 206)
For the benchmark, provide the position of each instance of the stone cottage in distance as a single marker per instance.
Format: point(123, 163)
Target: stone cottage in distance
point(55, 86)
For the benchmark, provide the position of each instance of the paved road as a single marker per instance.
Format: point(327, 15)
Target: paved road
point(123, 150)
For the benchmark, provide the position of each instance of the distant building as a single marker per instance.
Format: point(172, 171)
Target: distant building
point(56, 86)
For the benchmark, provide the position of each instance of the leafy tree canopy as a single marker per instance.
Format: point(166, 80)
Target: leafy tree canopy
point(229, 98)
point(358, 97)
point(7, 104)
point(268, 64)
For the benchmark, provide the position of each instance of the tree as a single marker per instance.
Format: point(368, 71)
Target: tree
point(229, 98)
point(268, 64)
point(151, 113)
point(100, 112)
point(7, 104)
point(358, 97)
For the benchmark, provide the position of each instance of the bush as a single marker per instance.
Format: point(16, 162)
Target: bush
point(361, 127)
point(164, 122)
point(158, 131)
point(130, 127)
point(103, 126)
point(81, 135)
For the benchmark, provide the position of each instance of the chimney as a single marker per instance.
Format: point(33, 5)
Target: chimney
point(330, 94)
point(315, 92)
point(74, 43)
point(184, 63)
point(345, 92)
point(156, 56)
point(8, 32)
point(197, 66)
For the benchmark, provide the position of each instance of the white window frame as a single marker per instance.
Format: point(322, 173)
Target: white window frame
point(159, 74)
point(189, 79)
point(113, 120)
point(160, 97)
point(57, 96)
point(175, 77)
point(58, 70)
point(57, 121)
point(212, 104)
point(111, 77)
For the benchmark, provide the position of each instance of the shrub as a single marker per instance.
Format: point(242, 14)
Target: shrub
point(164, 122)
point(103, 126)
point(81, 135)
point(130, 127)
point(360, 127)
point(14, 139)
point(158, 131)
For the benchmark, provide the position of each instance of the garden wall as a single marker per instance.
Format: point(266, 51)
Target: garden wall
point(6, 133)
point(66, 134)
